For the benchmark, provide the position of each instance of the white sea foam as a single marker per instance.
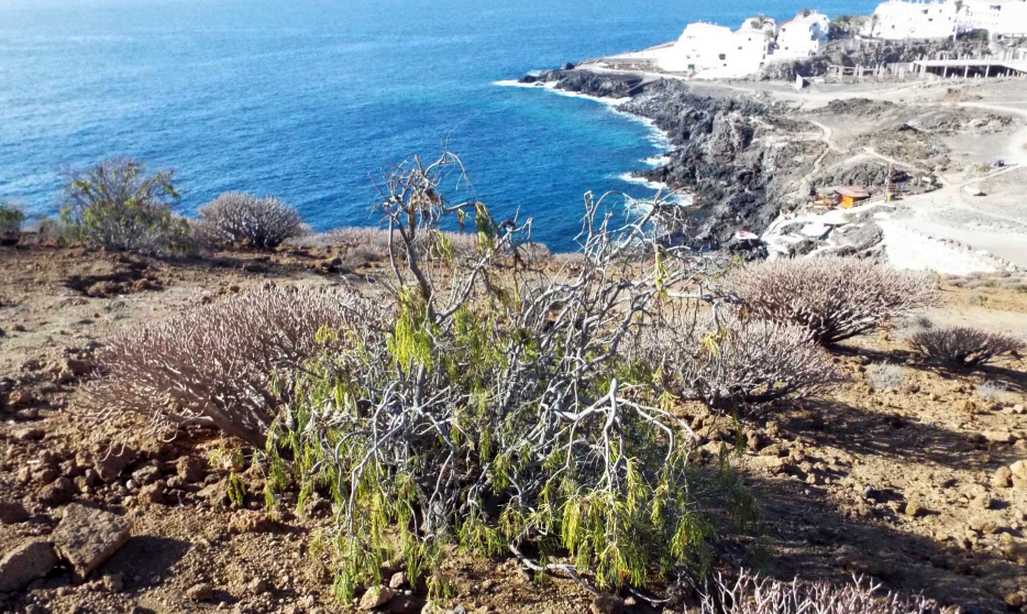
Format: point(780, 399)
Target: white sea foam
point(657, 161)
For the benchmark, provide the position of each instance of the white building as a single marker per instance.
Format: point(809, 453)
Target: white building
point(898, 19)
point(902, 19)
point(801, 37)
point(1008, 17)
point(710, 51)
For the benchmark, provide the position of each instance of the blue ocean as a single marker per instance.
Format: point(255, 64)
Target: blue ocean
point(312, 100)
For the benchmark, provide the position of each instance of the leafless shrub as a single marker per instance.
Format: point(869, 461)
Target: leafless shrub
point(836, 298)
point(752, 594)
point(886, 376)
point(962, 346)
point(11, 218)
point(216, 364)
point(236, 218)
point(736, 361)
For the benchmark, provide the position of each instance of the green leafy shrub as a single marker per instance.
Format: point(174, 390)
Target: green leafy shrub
point(500, 413)
point(11, 218)
point(835, 298)
point(235, 218)
point(117, 206)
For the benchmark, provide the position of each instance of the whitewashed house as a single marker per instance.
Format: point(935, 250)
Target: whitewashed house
point(802, 37)
point(1003, 17)
point(706, 50)
point(898, 19)
point(901, 19)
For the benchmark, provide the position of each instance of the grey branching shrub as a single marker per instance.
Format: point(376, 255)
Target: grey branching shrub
point(836, 298)
point(732, 362)
point(753, 594)
point(116, 205)
point(216, 364)
point(243, 219)
point(503, 413)
point(962, 346)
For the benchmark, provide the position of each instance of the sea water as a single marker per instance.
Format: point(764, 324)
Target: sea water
point(313, 100)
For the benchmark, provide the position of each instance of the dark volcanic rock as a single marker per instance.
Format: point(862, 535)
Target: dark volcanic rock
point(590, 83)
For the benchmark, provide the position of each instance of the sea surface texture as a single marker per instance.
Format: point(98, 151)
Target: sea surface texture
point(312, 100)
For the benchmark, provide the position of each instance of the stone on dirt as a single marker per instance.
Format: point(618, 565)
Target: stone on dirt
point(375, 597)
point(29, 561)
point(87, 537)
point(200, 592)
point(110, 466)
point(12, 512)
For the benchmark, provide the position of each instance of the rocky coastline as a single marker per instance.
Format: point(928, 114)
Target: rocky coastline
point(729, 154)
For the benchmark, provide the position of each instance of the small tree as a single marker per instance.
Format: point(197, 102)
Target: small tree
point(835, 298)
point(116, 205)
point(962, 346)
point(11, 218)
point(238, 218)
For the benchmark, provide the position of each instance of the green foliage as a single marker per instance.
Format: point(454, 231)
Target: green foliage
point(11, 218)
point(116, 205)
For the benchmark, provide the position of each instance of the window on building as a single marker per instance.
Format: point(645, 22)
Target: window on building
point(723, 56)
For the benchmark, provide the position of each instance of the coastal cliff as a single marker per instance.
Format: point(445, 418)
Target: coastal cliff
point(730, 154)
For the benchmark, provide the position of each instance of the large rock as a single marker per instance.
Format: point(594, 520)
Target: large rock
point(87, 537)
point(12, 512)
point(375, 597)
point(27, 562)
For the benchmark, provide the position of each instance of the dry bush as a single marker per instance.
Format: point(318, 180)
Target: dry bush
point(836, 298)
point(962, 346)
point(752, 594)
point(734, 362)
point(236, 218)
point(215, 364)
point(116, 205)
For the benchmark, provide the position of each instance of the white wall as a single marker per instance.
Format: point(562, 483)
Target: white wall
point(801, 37)
point(706, 50)
point(899, 20)
point(1001, 17)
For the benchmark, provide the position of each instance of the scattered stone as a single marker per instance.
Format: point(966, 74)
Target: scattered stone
point(398, 580)
point(58, 492)
point(375, 597)
point(191, 469)
point(29, 435)
point(605, 603)
point(1015, 600)
point(258, 586)
point(113, 583)
point(12, 512)
point(110, 466)
point(29, 561)
point(998, 436)
point(983, 524)
point(153, 493)
point(1003, 478)
point(1019, 469)
point(914, 508)
point(87, 537)
point(246, 521)
point(200, 592)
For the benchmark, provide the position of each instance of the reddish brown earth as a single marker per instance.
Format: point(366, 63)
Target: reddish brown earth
point(905, 485)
